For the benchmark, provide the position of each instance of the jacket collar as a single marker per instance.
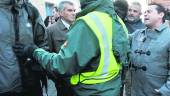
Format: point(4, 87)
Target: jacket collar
point(162, 27)
point(98, 5)
point(61, 25)
point(67, 25)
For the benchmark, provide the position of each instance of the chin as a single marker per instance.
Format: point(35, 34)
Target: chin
point(148, 25)
point(130, 19)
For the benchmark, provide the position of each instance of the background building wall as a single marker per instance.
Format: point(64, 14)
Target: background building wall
point(165, 3)
point(40, 5)
point(45, 6)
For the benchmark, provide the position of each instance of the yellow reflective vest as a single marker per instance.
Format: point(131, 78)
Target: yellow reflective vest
point(102, 25)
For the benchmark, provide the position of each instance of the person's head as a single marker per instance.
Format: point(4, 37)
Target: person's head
point(134, 11)
point(49, 20)
point(55, 12)
point(88, 6)
point(67, 11)
point(121, 8)
point(154, 15)
point(84, 3)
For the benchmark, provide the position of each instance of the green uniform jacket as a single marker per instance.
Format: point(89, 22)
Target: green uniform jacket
point(81, 53)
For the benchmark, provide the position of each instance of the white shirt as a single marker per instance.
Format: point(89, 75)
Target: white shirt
point(67, 25)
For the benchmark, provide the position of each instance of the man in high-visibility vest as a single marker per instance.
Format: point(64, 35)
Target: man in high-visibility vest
point(93, 54)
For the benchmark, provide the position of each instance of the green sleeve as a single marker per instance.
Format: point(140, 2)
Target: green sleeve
point(81, 47)
point(50, 40)
point(120, 43)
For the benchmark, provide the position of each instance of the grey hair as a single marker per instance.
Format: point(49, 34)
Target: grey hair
point(61, 5)
point(136, 3)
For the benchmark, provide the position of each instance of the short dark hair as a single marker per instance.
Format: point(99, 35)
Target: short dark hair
point(159, 9)
point(121, 8)
point(56, 9)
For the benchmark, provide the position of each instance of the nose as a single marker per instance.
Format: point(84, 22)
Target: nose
point(73, 12)
point(130, 12)
point(145, 14)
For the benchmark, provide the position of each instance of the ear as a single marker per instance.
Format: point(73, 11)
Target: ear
point(162, 14)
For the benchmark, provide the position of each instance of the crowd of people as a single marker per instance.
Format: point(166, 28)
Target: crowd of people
point(104, 50)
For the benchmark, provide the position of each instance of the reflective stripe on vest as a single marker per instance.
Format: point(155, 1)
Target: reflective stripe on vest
point(101, 25)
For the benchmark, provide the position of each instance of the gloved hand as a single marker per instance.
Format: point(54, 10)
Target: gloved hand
point(24, 51)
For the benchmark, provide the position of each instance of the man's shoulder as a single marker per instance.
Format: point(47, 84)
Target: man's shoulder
point(166, 29)
point(137, 32)
point(140, 24)
point(57, 27)
point(54, 25)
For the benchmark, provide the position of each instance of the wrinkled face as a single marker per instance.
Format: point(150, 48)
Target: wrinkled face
point(152, 17)
point(134, 13)
point(68, 14)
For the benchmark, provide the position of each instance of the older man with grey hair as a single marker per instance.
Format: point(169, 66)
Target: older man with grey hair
point(133, 20)
point(57, 36)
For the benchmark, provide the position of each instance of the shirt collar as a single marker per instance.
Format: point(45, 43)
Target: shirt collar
point(67, 25)
point(133, 22)
point(162, 27)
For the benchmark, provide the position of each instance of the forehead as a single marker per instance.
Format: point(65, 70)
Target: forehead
point(151, 7)
point(68, 5)
point(135, 7)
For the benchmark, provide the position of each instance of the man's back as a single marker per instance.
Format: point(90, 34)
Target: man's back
point(87, 57)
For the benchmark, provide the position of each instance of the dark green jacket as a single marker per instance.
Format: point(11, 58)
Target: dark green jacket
point(81, 53)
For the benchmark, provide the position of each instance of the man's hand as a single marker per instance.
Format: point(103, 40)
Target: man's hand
point(24, 51)
point(18, 49)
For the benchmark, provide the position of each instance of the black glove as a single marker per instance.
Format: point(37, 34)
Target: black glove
point(24, 51)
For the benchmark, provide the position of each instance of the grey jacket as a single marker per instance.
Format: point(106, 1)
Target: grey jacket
point(10, 78)
point(133, 26)
point(56, 35)
point(151, 50)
